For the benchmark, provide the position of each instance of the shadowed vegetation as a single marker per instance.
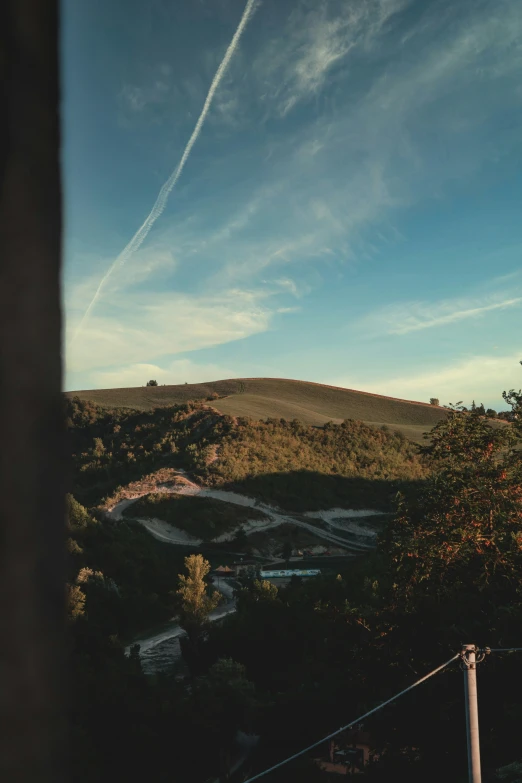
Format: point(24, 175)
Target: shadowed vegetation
point(300, 468)
point(203, 518)
point(305, 490)
point(288, 463)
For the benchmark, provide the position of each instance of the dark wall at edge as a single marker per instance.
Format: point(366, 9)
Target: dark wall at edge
point(32, 459)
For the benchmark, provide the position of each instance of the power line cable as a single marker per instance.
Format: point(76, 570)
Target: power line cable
point(353, 722)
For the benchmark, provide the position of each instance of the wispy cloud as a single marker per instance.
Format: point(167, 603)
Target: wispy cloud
point(136, 98)
point(182, 370)
point(482, 378)
point(318, 37)
point(367, 153)
point(149, 265)
point(139, 326)
point(287, 284)
point(414, 316)
point(310, 189)
point(161, 201)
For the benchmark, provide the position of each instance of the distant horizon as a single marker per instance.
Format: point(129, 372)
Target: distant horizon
point(324, 190)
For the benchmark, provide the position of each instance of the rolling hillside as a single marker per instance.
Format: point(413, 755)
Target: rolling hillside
point(262, 398)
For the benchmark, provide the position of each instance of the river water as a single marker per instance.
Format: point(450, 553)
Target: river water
point(160, 649)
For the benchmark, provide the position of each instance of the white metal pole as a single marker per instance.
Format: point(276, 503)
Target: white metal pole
point(469, 661)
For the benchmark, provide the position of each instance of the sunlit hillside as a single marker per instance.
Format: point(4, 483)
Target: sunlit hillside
point(262, 398)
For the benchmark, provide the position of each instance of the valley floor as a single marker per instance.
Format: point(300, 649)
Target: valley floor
point(343, 528)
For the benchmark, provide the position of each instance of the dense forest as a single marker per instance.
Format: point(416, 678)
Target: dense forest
point(293, 664)
point(284, 462)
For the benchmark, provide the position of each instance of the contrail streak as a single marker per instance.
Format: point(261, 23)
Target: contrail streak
point(164, 193)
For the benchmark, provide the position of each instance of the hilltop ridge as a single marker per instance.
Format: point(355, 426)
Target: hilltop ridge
point(262, 398)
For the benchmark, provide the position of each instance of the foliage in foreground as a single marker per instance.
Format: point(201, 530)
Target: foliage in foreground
point(448, 570)
point(468, 520)
point(120, 578)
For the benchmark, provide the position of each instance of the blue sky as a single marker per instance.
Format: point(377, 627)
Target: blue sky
point(347, 212)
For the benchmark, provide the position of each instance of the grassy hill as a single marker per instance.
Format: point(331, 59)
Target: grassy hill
point(261, 398)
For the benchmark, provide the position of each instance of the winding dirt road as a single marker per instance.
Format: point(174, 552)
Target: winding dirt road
point(341, 519)
point(159, 649)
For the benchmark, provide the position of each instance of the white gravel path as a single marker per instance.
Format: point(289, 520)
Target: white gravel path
point(342, 519)
point(347, 519)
